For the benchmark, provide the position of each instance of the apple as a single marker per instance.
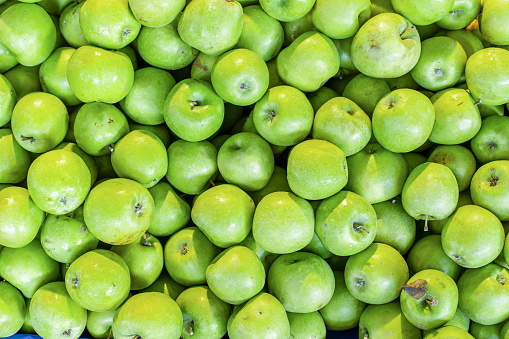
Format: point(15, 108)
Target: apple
point(490, 143)
point(69, 25)
point(366, 92)
point(461, 15)
point(98, 280)
point(493, 13)
point(294, 28)
point(24, 79)
point(283, 223)
point(20, 218)
point(340, 19)
point(187, 254)
point(459, 160)
point(302, 282)
point(54, 314)
point(287, 11)
point(165, 284)
point(12, 309)
point(99, 323)
point(211, 26)
point(205, 315)
point(489, 188)
point(201, 68)
point(156, 13)
point(421, 13)
point(7, 100)
point(278, 183)
point(469, 41)
point(449, 332)
point(15, 160)
point(382, 40)
point(306, 325)
point(375, 275)
point(148, 315)
point(171, 212)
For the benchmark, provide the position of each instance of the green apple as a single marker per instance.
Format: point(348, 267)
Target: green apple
point(70, 25)
point(302, 282)
point(236, 275)
point(427, 253)
point(7, 100)
point(187, 254)
point(66, 238)
point(53, 75)
point(317, 169)
point(261, 33)
point(381, 6)
point(343, 311)
point(504, 331)
point(15, 160)
point(95, 74)
point(283, 116)
point(375, 50)
point(366, 92)
point(20, 218)
point(375, 275)
point(345, 223)
point(485, 239)
point(165, 284)
point(201, 69)
point(144, 102)
point(24, 80)
point(193, 110)
point(447, 332)
point(441, 64)
point(205, 315)
point(140, 156)
point(53, 314)
point(457, 118)
point(145, 260)
point(294, 28)
point(306, 325)
point(148, 315)
point(163, 47)
point(469, 41)
point(12, 309)
point(487, 75)
point(54, 7)
point(344, 47)
point(319, 97)
point(430, 192)
point(246, 160)
point(309, 61)
point(380, 174)
point(423, 13)
point(493, 13)
point(7, 58)
point(262, 316)
point(156, 13)
point(211, 26)
point(27, 268)
point(460, 319)
point(283, 223)
point(414, 159)
point(161, 131)
point(30, 39)
point(340, 19)
point(386, 321)
point(429, 299)
point(490, 189)
point(39, 122)
point(287, 11)
point(98, 126)
point(59, 181)
point(278, 183)
point(484, 294)
point(343, 123)
point(489, 110)
point(491, 143)
point(171, 212)
point(108, 24)
point(403, 120)
point(240, 76)
point(98, 280)
point(99, 323)
point(459, 160)
point(462, 13)
point(394, 226)
point(118, 211)
point(88, 159)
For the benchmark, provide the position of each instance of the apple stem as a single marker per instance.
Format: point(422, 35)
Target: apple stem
point(191, 328)
point(431, 299)
point(109, 335)
point(407, 31)
point(358, 227)
point(426, 224)
point(146, 242)
point(478, 102)
point(193, 104)
point(31, 139)
point(109, 147)
point(212, 183)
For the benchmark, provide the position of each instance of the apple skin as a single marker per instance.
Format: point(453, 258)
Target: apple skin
point(483, 295)
point(287, 11)
point(487, 75)
point(171, 212)
point(99, 323)
point(366, 92)
point(459, 160)
point(53, 314)
point(375, 275)
point(14, 159)
point(494, 12)
point(427, 253)
point(306, 325)
point(7, 99)
point(485, 239)
point(148, 315)
point(156, 13)
point(383, 39)
point(490, 188)
point(462, 13)
point(118, 211)
point(262, 316)
point(20, 218)
point(12, 309)
point(446, 332)
point(98, 280)
point(491, 142)
point(316, 169)
point(427, 316)
point(340, 19)
point(343, 311)
point(30, 39)
point(165, 284)
point(421, 13)
point(69, 25)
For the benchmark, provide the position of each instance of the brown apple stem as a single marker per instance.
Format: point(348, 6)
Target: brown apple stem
point(212, 183)
point(358, 227)
point(193, 104)
point(366, 334)
point(407, 31)
point(146, 242)
point(191, 328)
point(109, 335)
point(137, 336)
point(431, 299)
point(478, 102)
point(426, 224)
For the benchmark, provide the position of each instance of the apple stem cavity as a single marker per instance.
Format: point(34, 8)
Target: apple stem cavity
point(109, 147)
point(359, 228)
point(146, 242)
point(272, 114)
point(137, 336)
point(67, 333)
point(193, 104)
point(138, 209)
point(191, 328)
point(417, 290)
point(360, 283)
point(183, 250)
point(405, 33)
point(126, 32)
point(500, 279)
point(30, 139)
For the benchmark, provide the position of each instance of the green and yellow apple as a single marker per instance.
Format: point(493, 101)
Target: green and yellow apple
point(171, 212)
point(491, 143)
point(70, 25)
point(14, 159)
point(12, 309)
point(494, 12)
point(156, 13)
point(340, 19)
point(490, 189)
point(423, 13)
point(7, 100)
point(459, 160)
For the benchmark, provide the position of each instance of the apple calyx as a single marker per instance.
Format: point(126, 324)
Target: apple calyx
point(146, 242)
point(184, 250)
point(272, 114)
point(358, 228)
point(67, 333)
point(126, 32)
point(417, 290)
point(361, 283)
point(63, 201)
point(75, 282)
point(30, 139)
point(494, 179)
point(138, 209)
point(500, 279)
point(407, 32)
point(137, 336)
point(366, 334)
point(194, 104)
point(191, 327)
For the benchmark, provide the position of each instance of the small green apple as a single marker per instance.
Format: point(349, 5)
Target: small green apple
point(70, 25)
point(12, 309)
point(15, 160)
point(340, 19)
point(366, 92)
point(493, 13)
point(489, 188)
point(165, 284)
point(99, 323)
point(171, 212)
point(462, 13)
point(306, 325)
point(460, 161)
point(446, 332)
point(491, 142)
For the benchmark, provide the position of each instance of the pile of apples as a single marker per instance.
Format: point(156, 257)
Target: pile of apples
point(255, 168)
